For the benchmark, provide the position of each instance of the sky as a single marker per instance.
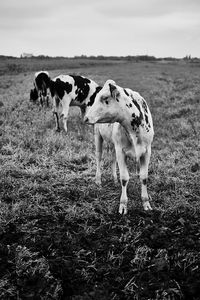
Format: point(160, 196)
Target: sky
point(162, 28)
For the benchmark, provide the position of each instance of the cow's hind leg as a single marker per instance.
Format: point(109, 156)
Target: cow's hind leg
point(56, 112)
point(65, 111)
point(40, 99)
point(114, 165)
point(144, 164)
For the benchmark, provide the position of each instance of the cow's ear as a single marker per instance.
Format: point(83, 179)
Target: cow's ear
point(113, 90)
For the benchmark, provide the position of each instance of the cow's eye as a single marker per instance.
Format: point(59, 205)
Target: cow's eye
point(104, 99)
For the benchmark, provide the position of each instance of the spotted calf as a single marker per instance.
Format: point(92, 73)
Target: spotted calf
point(71, 90)
point(132, 134)
point(41, 90)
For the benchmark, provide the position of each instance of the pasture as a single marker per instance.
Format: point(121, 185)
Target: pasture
point(61, 236)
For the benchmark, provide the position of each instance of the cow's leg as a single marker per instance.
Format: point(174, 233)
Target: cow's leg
point(98, 150)
point(56, 113)
point(57, 121)
point(124, 179)
point(47, 100)
point(114, 166)
point(144, 164)
point(40, 99)
point(138, 167)
point(82, 112)
point(65, 111)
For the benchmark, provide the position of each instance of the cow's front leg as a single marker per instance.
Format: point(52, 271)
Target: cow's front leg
point(124, 179)
point(55, 113)
point(144, 164)
point(47, 101)
point(98, 150)
point(114, 166)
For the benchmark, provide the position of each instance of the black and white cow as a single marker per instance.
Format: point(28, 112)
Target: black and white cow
point(71, 90)
point(41, 90)
point(131, 133)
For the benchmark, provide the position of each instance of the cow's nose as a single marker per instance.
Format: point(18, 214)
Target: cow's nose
point(86, 120)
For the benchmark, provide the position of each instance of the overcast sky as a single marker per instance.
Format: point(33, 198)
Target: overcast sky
point(100, 27)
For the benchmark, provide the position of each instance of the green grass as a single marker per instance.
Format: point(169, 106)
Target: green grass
point(61, 236)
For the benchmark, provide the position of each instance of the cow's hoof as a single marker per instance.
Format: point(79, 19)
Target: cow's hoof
point(115, 180)
point(123, 209)
point(98, 182)
point(147, 205)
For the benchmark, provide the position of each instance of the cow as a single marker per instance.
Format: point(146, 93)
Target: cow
point(71, 90)
point(131, 133)
point(41, 89)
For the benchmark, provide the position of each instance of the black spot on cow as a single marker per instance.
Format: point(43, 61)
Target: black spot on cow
point(57, 100)
point(59, 88)
point(136, 121)
point(142, 160)
point(136, 104)
point(129, 105)
point(144, 181)
point(33, 95)
point(138, 167)
point(92, 98)
point(124, 182)
point(127, 94)
point(42, 82)
point(83, 87)
point(144, 105)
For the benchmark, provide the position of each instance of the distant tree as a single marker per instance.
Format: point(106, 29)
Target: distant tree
point(187, 57)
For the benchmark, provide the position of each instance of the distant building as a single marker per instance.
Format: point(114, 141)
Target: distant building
point(26, 55)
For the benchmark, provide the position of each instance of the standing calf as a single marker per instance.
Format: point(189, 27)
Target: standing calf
point(132, 135)
point(41, 88)
point(71, 90)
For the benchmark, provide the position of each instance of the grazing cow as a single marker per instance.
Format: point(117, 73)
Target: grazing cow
point(71, 90)
point(132, 135)
point(41, 88)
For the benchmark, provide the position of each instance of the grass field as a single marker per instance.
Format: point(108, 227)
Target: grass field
point(61, 236)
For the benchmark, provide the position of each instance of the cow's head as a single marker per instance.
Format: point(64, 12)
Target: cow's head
point(33, 95)
point(105, 108)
